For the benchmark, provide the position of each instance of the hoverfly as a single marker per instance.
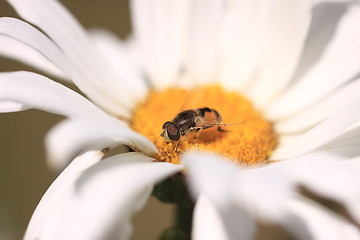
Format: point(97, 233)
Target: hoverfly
point(192, 121)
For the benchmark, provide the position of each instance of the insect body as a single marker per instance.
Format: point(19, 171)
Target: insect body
point(191, 121)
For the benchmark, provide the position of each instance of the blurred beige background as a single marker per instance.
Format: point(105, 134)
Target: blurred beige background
point(23, 173)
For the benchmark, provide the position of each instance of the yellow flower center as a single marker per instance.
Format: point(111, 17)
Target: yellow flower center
point(248, 138)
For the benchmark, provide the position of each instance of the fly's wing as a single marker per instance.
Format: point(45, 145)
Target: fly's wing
point(186, 101)
point(228, 122)
point(193, 99)
point(210, 118)
point(210, 122)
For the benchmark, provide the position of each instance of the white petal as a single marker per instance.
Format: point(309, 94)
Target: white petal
point(32, 37)
point(103, 202)
point(322, 133)
point(314, 170)
point(355, 162)
point(319, 111)
point(73, 136)
point(207, 223)
point(30, 90)
point(284, 28)
point(337, 65)
point(55, 199)
point(59, 24)
point(215, 181)
point(262, 192)
point(320, 223)
point(16, 50)
point(11, 106)
point(326, 16)
point(116, 49)
point(28, 35)
point(211, 176)
point(204, 40)
point(346, 144)
point(123, 57)
point(159, 28)
point(118, 53)
point(239, 43)
point(325, 175)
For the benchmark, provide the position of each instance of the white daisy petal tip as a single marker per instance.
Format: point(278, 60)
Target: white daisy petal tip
point(11, 106)
point(206, 217)
point(145, 146)
point(210, 174)
point(22, 90)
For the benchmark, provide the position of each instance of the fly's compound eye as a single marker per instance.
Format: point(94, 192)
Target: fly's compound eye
point(172, 131)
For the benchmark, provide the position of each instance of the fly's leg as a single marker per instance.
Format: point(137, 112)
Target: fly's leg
point(177, 146)
point(178, 143)
point(198, 130)
point(222, 130)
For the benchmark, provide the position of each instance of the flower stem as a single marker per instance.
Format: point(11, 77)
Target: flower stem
point(183, 218)
point(183, 224)
point(173, 190)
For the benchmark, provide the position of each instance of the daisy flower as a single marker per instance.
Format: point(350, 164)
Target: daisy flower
point(284, 71)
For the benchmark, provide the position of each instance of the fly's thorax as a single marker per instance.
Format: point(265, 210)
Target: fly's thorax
point(185, 121)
